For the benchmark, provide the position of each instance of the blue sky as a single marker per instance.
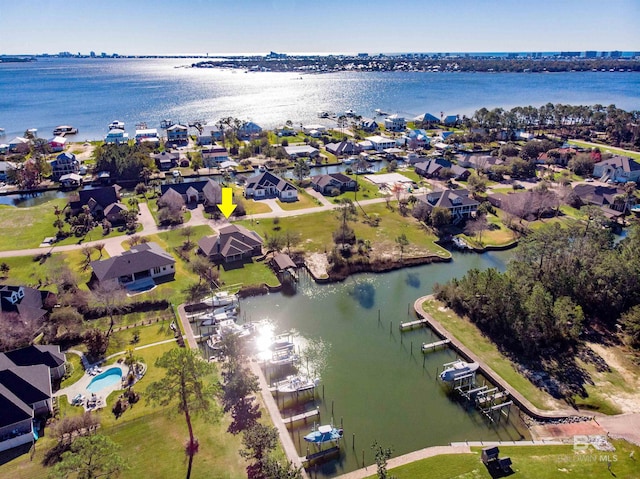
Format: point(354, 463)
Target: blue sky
point(338, 26)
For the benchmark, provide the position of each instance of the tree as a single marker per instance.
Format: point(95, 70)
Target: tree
point(382, 455)
point(258, 441)
point(91, 457)
point(189, 380)
point(111, 298)
point(300, 169)
point(402, 243)
point(440, 217)
point(631, 326)
point(4, 269)
point(187, 232)
point(96, 341)
point(476, 227)
point(99, 247)
point(476, 184)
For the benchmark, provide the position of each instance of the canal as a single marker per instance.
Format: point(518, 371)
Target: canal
point(370, 381)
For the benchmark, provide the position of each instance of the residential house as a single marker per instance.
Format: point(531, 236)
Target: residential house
point(606, 197)
point(478, 162)
point(178, 134)
point(333, 182)
point(166, 160)
point(172, 198)
point(19, 145)
point(214, 155)
point(432, 168)
point(70, 180)
point(36, 354)
point(315, 131)
point(208, 192)
point(417, 138)
point(232, 243)
point(64, 164)
point(344, 148)
point(209, 135)
point(249, 130)
point(456, 201)
point(147, 135)
point(142, 266)
point(303, 151)
point(426, 120)
point(285, 131)
point(57, 143)
point(5, 168)
point(617, 168)
point(450, 120)
point(368, 125)
point(16, 421)
point(523, 135)
point(113, 213)
point(381, 143)
point(268, 185)
point(460, 173)
point(97, 199)
point(395, 123)
point(443, 135)
point(29, 304)
point(116, 136)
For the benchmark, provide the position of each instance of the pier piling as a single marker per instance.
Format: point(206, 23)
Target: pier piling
point(353, 442)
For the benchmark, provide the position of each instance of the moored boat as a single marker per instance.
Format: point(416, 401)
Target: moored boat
point(64, 130)
point(295, 384)
point(116, 125)
point(324, 434)
point(457, 370)
point(221, 298)
point(213, 319)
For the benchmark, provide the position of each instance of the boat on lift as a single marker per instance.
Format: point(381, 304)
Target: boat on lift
point(295, 384)
point(457, 370)
point(326, 433)
point(221, 298)
point(213, 319)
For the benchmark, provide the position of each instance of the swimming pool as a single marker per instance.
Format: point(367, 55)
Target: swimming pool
point(107, 378)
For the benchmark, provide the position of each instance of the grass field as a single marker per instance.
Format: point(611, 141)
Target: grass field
point(27, 227)
point(607, 149)
point(305, 200)
point(530, 462)
point(469, 335)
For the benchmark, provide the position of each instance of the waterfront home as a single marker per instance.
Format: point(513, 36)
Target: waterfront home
point(57, 143)
point(178, 134)
point(478, 162)
point(165, 160)
point(209, 192)
point(432, 168)
point(209, 134)
point(142, 266)
point(314, 130)
point(557, 156)
point(116, 136)
point(417, 138)
point(456, 201)
point(617, 168)
point(27, 304)
point(232, 243)
point(6, 167)
point(268, 185)
point(285, 131)
point(303, 151)
point(609, 199)
point(523, 135)
point(344, 148)
point(426, 120)
point(70, 180)
point(19, 145)
point(380, 143)
point(395, 123)
point(64, 164)
point(113, 213)
point(450, 120)
point(333, 183)
point(213, 155)
point(97, 199)
point(249, 130)
point(368, 125)
point(147, 135)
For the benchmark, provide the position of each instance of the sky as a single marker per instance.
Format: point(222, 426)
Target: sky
point(139, 27)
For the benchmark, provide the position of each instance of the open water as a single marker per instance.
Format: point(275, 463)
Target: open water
point(90, 93)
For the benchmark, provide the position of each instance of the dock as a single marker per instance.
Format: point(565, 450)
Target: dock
point(309, 459)
point(426, 347)
point(413, 324)
point(301, 417)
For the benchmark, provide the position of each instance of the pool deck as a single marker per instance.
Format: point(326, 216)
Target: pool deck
point(80, 387)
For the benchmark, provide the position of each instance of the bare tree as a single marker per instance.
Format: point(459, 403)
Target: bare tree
point(111, 297)
point(99, 247)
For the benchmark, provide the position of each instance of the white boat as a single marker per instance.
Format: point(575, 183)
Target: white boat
point(213, 319)
point(323, 114)
point(324, 434)
point(229, 326)
point(349, 112)
point(380, 112)
point(116, 125)
point(459, 243)
point(457, 370)
point(295, 384)
point(221, 298)
point(284, 355)
point(63, 130)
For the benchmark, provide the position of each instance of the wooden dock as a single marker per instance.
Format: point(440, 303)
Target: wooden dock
point(413, 324)
point(310, 459)
point(300, 417)
point(427, 347)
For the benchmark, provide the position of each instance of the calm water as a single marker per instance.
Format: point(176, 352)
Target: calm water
point(377, 388)
point(89, 94)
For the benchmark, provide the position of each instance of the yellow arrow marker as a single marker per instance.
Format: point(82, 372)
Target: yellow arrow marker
point(226, 206)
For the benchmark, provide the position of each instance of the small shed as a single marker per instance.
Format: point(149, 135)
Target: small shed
point(489, 454)
point(284, 267)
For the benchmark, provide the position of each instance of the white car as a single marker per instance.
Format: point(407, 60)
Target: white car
point(175, 173)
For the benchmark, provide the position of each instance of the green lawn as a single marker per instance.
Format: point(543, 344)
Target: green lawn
point(78, 370)
point(469, 335)
point(305, 200)
point(501, 236)
point(366, 190)
point(248, 273)
point(27, 227)
point(530, 462)
point(154, 333)
point(317, 229)
point(607, 149)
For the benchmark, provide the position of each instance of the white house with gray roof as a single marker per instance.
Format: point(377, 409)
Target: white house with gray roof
point(142, 265)
point(617, 168)
point(268, 185)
